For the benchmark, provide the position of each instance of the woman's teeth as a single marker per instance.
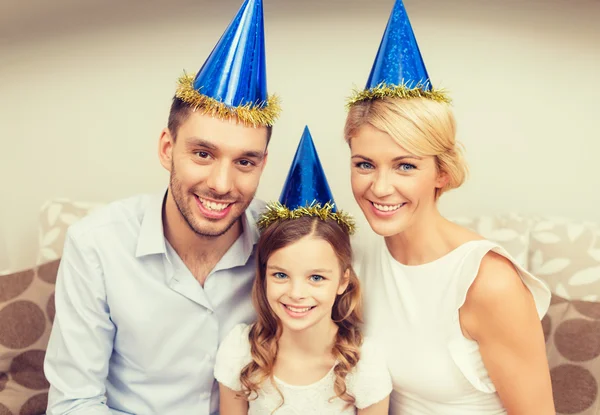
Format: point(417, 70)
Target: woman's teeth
point(212, 205)
point(387, 208)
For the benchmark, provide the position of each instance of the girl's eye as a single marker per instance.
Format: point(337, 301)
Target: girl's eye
point(363, 165)
point(406, 167)
point(316, 278)
point(279, 275)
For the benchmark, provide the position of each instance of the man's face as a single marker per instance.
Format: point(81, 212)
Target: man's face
point(215, 167)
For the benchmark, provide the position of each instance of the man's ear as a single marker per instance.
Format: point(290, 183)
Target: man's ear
point(165, 148)
point(344, 282)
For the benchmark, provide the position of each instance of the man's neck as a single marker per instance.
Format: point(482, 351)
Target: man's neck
point(199, 253)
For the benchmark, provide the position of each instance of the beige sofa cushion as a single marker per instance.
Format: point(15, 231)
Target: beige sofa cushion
point(26, 316)
point(572, 331)
point(509, 231)
point(566, 255)
point(55, 217)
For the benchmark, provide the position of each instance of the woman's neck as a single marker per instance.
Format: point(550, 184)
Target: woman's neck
point(423, 241)
point(314, 341)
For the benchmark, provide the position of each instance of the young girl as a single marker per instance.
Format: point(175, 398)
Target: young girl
point(305, 354)
point(459, 318)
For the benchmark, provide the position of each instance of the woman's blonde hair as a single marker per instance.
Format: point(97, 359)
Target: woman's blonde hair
point(421, 126)
point(346, 313)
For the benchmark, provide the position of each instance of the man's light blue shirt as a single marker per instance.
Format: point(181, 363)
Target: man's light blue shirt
point(134, 332)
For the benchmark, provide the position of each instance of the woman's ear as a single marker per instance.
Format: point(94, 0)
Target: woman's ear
point(344, 282)
point(442, 180)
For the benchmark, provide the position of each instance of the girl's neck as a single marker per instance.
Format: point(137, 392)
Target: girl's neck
point(316, 340)
point(422, 242)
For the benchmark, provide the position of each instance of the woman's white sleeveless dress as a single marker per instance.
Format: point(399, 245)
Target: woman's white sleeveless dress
point(413, 312)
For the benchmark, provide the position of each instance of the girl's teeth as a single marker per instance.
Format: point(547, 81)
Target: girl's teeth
point(213, 206)
point(387, 208)
point(298, 310)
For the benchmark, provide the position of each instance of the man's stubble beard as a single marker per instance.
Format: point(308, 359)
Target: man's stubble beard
point(180, 201)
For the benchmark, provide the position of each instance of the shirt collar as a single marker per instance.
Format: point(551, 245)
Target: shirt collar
point(151, 239)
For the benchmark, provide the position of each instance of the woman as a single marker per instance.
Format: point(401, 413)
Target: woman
point(459, 318)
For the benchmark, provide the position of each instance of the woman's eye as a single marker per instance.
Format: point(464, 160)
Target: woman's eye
point(279, 275)
point(316, 278)
point(364, 165)
point(406, 167)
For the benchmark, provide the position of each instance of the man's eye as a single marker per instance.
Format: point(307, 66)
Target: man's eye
point(246, 163)
point(202, 154)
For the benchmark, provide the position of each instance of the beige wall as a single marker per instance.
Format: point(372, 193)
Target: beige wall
point(84, 92)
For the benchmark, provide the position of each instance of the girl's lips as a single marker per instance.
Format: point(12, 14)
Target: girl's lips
point(212, 214)
point(295, 312)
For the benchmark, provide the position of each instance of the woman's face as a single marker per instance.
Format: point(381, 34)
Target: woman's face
point(393, 187)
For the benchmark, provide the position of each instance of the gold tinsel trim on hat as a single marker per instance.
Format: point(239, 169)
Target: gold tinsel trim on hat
point(403, 91)
point(276, 212)
point(252, 114)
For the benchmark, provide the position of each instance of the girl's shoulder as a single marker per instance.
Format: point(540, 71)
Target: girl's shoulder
point(370, 381)
point(236, 342)
point(233, 355)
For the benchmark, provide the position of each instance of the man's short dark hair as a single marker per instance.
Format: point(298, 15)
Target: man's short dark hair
point(179, 113)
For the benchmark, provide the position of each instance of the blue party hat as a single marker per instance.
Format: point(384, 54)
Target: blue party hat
point(399, 70)
point(306, 191)
point(306, 182)
point(232, 82)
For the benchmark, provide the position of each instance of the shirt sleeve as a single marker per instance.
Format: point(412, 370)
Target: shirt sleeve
point(233, 355)
point(81, 342)
point(370, 381)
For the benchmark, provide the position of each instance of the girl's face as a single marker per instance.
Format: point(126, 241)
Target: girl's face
point(393, 187)
point(302, 282)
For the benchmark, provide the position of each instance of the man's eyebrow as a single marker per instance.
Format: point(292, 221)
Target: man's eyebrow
point(253, 154)
point(195, 141)
point(200, 142)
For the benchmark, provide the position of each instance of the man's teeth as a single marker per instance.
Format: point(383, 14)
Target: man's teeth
point(297, 310)
point(387, 208)
point(212, 205)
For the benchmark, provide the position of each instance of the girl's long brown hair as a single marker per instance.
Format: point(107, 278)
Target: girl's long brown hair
point(346, 312)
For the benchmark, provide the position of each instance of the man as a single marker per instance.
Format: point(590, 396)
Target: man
point(149, 285)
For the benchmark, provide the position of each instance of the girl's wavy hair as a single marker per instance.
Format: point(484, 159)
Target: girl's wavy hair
point(346, 312)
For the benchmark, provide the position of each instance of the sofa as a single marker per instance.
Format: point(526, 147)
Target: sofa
point(564, 253)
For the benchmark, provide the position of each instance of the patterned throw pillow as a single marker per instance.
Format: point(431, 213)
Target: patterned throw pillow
point(509, 231)
point(566, 255)
point(55, 217)
point(572, 331)
point(26, 316)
